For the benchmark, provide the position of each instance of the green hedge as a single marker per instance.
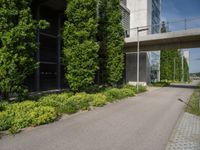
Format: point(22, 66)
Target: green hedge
point(20, 115)
point(61, 102)
point(82, 100)
point(98, 100)
point(116, 94)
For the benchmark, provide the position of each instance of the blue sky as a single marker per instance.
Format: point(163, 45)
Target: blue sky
point(181, 9)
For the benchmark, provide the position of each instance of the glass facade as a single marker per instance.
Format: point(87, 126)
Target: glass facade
point(155, 16)
point(125, 18)
point(155, 56)
point(49, 75)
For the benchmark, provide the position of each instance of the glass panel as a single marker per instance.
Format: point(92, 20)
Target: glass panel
point(48, 76)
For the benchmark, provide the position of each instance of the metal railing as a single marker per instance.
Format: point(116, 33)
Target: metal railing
point(165, 26)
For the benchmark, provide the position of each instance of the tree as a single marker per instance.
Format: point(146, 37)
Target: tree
point(17, 45)
point(80, 45)
point(112, 41)
point(163, 28)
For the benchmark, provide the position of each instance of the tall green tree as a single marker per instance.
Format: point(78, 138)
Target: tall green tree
point(17, 45)
point(112, 41)
point(80, 45)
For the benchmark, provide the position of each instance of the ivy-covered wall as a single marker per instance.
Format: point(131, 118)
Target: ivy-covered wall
point(111, 39)
point(17, 45)
point(170, 65)
point(80, 44)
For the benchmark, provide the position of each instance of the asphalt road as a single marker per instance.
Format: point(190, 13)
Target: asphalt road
point(144, 122)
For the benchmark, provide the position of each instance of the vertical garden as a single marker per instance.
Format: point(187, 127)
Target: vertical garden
point(93, 40)
point(171, 64)
point(172, 67)
point(93, 43)
point(17, 45)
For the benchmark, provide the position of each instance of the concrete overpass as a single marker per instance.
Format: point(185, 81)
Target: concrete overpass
point(189, 38)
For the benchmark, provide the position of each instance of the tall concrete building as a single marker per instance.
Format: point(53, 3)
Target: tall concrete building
point(125, 17)
point(143, 13)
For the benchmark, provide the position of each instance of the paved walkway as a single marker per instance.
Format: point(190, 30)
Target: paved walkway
point(144, 122)
point(186, 135)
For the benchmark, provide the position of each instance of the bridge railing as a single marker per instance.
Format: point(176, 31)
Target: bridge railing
point(165, 26)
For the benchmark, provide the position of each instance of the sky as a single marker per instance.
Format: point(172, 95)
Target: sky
point(173, 10)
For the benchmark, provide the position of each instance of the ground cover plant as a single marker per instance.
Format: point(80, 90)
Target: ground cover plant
point(193, 105)
point(20, 115)
point(15, 116)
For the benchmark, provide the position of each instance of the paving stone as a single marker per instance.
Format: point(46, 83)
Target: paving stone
point(186, 135)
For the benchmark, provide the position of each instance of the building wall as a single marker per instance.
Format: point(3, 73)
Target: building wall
point(144, 13)
point(125, 18)
point(139, 16)
point(131, 67)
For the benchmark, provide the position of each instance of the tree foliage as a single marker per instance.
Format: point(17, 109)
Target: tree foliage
point(80, 46)
point(112, 41)
point(170, 65)
point(170, 62)
point(186, 70)
point(17, 45)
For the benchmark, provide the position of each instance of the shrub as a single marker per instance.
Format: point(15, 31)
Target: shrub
point(5, 121)
point(21, 115)
point(142, 89)
point(131, 87)
point(3, 106)
point(60, 102)
point(82, 100)
point(193, 105)
point(112, 94)
point(98, 100)
point(125, 92)
point(64, 96)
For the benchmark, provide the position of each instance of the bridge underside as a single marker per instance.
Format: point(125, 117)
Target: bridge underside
point(165, 41)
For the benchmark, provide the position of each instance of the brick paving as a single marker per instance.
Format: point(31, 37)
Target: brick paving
point(186, 135)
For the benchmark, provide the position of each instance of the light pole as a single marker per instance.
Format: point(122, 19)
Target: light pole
point(182, 68)
point(138, 55)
